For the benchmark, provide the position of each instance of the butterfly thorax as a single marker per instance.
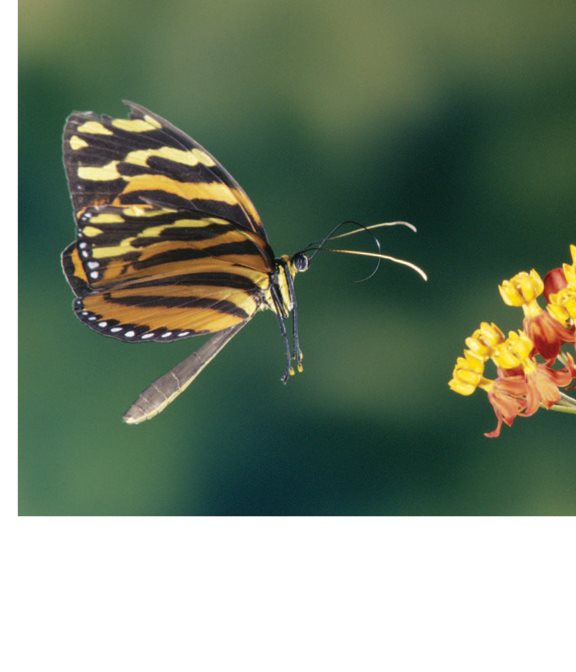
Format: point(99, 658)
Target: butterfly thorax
point(278, 296)
point(282, 283)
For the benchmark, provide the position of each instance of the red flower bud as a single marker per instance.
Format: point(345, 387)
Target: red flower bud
point(554, 281)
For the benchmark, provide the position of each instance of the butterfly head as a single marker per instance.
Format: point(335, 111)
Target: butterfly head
point(300, 262)
point(297, 263)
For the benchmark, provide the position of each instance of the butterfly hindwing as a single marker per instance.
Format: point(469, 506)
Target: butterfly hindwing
point(163, 276)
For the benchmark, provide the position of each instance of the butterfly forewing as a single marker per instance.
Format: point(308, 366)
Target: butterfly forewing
point(168, 244)
point(146, 158)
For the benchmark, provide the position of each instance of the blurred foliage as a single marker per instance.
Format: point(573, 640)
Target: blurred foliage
point(457, 116)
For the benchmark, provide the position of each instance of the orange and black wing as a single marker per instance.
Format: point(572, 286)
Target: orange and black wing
point(168, 244)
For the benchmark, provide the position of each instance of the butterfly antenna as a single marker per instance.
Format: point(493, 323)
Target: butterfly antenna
point(371, 227)
point(361, 229)
point(318, 245)
point(386, 257)
point(333, 235)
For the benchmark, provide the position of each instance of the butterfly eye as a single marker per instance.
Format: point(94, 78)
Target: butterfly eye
point(301, 262)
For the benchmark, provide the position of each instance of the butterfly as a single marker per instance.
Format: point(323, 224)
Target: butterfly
point(169, 246)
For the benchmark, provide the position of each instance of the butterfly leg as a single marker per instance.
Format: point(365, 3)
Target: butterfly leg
point(289, 370)
point(296, 352)
point(280, 315)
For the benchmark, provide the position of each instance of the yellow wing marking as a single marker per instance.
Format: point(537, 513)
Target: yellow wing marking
point(139, 157)
point(77, 265)
point(217, 191)
point(94, 127)
point(100, 173)
point(136, 125)
point(91, 231)
point(153, 231)
point(145, 211)
point(114, 250)
point(106, 218)
point(77, 143)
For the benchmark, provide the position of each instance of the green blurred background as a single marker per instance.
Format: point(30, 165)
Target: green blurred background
point(457, 116)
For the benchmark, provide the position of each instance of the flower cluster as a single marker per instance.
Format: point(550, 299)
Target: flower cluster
point(531, 364)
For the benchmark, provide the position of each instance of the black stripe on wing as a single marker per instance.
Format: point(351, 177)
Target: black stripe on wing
point(188, 254)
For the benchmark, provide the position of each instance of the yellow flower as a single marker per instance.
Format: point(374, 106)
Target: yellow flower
point(523, 290)
point(570, 269)
point(562, 305)
point(467, 374)
point(485, 339)
point(514, 352)
point(524, 383)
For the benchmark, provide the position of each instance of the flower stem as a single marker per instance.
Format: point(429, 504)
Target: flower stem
point(566, 404)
